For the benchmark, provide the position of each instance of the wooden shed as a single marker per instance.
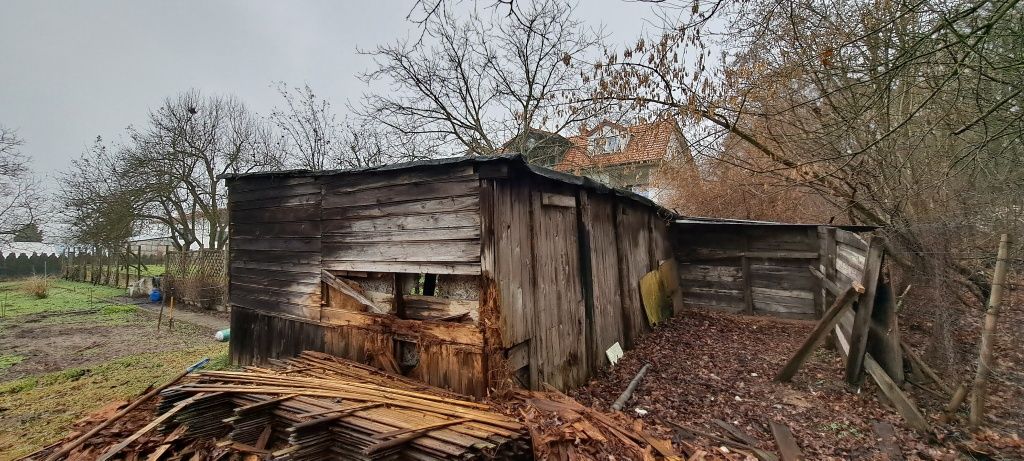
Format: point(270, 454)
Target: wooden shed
point(464, 273)
point(761, 267)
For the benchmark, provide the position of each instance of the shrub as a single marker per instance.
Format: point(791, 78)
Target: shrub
point(37, 286)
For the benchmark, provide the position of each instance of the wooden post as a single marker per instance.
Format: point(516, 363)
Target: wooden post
point(988, 336)
point(862, 318)
point(170, 315)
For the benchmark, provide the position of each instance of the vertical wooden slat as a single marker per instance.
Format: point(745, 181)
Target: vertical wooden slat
point(862, 318)
point(583, 228)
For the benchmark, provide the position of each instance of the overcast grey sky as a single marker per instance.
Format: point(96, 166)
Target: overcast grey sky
point(71, 70)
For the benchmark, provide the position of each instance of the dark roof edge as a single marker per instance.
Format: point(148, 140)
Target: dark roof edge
point(700, 220)
point(514, 160)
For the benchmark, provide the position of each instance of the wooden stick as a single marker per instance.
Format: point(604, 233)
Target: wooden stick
point(788, 448)
point(949, 412)
point(988, 336)
point(170, 315)
point(899, 399)
point(99, 427)
point(736, 432)
point(828, 321)
point(626, 394)
point(761, 454)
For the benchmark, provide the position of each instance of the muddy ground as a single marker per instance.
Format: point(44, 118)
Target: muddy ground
point(53, 342)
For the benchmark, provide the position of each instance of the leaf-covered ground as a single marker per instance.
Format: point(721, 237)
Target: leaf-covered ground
point(708, 366)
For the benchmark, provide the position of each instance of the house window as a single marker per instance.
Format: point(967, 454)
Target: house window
point(612, 145)
point(608, 140)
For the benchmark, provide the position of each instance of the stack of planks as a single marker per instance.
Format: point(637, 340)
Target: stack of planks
point(317, 406)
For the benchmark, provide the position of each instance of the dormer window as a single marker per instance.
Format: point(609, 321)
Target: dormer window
point(607, 140)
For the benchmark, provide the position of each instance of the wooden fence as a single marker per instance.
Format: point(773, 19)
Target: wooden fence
point(770, 269)
point(749, 268)
point(197, 277)
point(101, 267)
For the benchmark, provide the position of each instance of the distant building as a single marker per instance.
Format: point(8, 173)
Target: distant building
point(621, 156)
point(539, 147)
point(625, 156)
point(154, 246)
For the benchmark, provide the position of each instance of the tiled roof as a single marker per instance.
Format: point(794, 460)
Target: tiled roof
point(647, 142)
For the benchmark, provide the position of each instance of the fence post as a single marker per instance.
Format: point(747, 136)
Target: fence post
point(988, 338)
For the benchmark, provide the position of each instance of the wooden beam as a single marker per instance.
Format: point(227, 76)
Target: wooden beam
point(862, 317)
point(899, 399)
point(829, 285)
point(887, 440)
point(828, 321)
point(338, 284)
point(788, 447)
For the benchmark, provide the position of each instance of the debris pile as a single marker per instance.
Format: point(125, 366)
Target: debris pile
point(563, 429)
point(314, 406)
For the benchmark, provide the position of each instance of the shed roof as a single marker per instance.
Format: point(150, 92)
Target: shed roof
point(698, 220)
point(516, 161)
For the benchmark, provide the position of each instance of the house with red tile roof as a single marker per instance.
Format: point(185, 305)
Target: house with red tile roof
point(625, 156)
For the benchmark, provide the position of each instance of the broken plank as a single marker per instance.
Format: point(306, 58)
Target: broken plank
point(788, 447)
point(899, 399)
point(736, 432)
point(338, 284)
point(828, 321)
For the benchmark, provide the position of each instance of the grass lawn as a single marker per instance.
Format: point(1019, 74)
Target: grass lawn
point(71, 353)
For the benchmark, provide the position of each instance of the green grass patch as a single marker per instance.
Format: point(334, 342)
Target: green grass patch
point(9, 360)
point(153, 270)
point(63, 295)
point(39, 410)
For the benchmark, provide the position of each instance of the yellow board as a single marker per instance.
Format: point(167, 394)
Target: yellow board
point(657, 303)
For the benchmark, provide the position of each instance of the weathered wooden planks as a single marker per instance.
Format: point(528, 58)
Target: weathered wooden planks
point(559, 342)
point(605, 326)
point(748, 268)
point(410, 222)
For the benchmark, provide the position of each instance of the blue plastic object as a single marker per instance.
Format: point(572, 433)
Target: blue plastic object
point(155, 296)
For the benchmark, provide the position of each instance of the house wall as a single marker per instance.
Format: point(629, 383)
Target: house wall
point(749, 268)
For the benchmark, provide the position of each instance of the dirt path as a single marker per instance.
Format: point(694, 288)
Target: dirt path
point(213, 321)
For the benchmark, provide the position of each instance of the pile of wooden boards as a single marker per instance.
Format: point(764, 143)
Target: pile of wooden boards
point(313, 407)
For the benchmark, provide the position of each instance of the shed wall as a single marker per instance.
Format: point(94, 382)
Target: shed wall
point(749, 268)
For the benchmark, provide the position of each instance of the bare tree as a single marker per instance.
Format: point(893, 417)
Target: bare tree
point(20, 193)
point(308, 127)
point(475, 83)
point(169, 171)
point(904, 114)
